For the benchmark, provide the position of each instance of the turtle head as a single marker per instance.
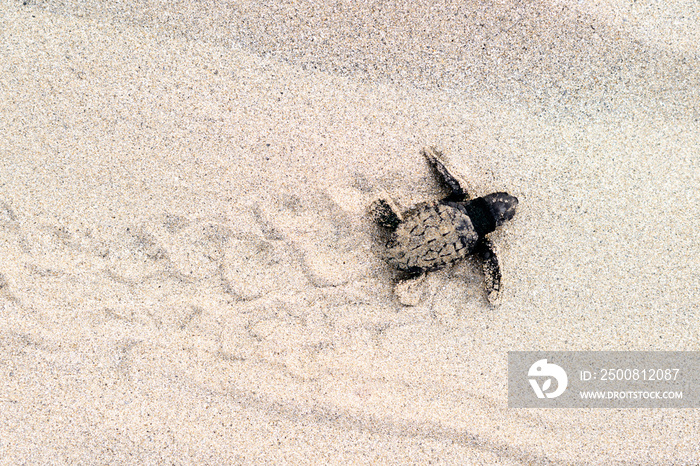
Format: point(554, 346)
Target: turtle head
point(490, 211)
point(502, 206)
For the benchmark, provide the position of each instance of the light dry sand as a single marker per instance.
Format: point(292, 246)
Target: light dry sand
point(188, 274)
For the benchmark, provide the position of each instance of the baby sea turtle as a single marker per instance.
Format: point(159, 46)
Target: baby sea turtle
point(433, 235)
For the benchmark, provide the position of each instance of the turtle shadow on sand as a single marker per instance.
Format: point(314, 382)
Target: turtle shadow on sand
point(433, 235)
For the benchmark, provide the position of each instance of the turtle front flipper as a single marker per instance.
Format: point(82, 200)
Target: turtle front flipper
point(385, 213)
point(457, 187)
point(492, 271)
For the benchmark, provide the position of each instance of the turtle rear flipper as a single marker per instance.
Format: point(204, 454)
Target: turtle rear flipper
point(410, 291)
point(456, 186)
point(385, 213)
point(492, 271)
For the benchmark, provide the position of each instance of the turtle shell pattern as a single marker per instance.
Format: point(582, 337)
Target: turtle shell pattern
point(431, 236)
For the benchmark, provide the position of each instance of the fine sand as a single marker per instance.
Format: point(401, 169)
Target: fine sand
point(188, 274)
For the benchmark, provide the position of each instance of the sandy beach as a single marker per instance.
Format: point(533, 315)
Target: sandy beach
point(188, 273)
